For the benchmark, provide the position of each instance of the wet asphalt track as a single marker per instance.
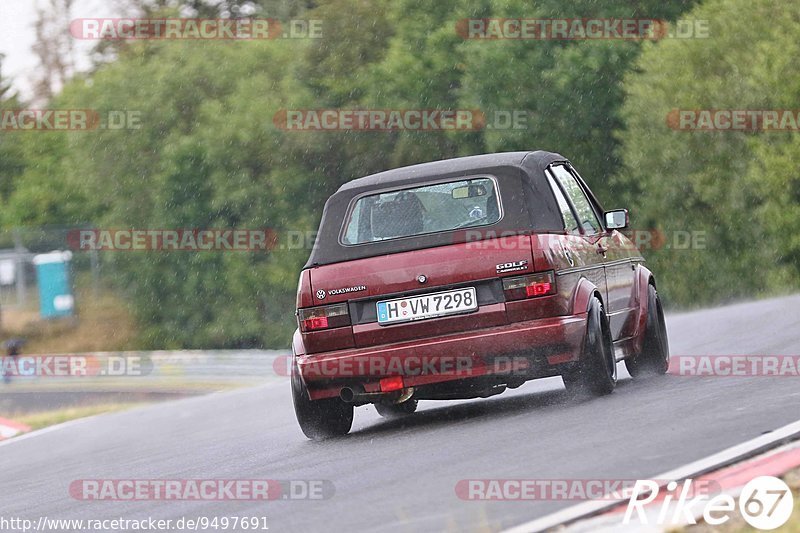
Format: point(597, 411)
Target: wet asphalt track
point(400, 475)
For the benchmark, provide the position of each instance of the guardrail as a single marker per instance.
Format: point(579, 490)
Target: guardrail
point(138, 370)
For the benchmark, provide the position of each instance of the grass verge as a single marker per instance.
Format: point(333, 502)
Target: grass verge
point(43, 419)
point(102, 323)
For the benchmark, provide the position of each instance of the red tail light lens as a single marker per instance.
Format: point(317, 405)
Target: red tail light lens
point(531, 286)
point(326, 317)
point(391, 384)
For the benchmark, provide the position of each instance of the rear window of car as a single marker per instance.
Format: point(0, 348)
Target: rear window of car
point(431, 208)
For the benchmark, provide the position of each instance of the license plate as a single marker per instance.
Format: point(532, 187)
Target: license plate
point(427, 306)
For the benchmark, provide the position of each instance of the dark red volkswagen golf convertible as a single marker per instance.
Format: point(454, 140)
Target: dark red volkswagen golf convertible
point(464, 277)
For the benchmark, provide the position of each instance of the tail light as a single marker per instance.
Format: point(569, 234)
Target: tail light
point(328, 316)
point(533, 285)
point(392, 384)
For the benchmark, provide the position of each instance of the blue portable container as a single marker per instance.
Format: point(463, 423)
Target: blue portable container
point(55, 291)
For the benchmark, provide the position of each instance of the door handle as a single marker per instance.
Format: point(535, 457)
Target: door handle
point(601, 249)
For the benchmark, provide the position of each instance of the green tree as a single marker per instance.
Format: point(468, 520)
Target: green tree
point(12, 158)
point(737, 187)
point(571, 90)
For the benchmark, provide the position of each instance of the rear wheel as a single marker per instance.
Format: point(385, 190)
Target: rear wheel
point(319, 419)
point(654, 357)
point(596, 372)
point(396, 410)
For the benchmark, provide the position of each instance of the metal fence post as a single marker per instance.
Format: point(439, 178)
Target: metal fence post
point(20, 260)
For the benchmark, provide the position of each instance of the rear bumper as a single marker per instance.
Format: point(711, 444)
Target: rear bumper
point(527, 349)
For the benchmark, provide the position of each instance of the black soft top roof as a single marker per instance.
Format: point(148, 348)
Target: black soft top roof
point(528, 203)
point(467, 165)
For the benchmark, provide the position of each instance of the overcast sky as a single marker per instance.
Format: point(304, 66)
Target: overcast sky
point(17, 37)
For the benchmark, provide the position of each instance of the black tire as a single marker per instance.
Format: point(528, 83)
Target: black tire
point(320, 419)
point(396, 410)
point(654, 357)
point(596, 373)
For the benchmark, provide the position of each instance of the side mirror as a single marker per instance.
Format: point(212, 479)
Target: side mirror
point(617, 219)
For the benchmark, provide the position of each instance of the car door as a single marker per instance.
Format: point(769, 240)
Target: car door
point(620, 269)
point(583, 242)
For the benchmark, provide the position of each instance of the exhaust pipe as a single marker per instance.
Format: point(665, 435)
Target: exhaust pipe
point(347, 394)
point(357, 395)
point(405, 395)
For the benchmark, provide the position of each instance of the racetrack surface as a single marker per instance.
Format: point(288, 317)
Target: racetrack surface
point(401, 475)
